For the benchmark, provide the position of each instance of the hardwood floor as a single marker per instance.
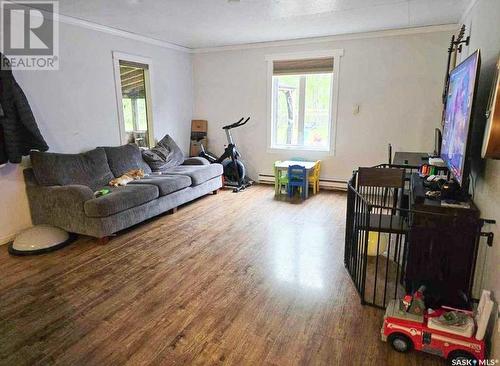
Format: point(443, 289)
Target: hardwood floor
point(236, 279)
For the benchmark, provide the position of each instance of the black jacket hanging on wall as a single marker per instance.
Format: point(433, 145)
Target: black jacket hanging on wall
point(19, 132)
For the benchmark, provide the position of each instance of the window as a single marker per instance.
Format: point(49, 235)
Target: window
point(302, 100)
point(134, 100)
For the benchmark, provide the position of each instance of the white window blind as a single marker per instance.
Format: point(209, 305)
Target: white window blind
point(303, 67)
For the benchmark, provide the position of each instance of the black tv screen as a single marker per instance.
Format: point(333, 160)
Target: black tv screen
point(458, 111)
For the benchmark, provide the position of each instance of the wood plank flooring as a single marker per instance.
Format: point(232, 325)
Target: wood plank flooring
point(231, 279)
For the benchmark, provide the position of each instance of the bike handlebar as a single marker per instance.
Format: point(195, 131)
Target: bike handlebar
point(237, 124)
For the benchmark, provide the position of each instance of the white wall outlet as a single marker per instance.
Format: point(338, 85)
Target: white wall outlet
point(355, 109)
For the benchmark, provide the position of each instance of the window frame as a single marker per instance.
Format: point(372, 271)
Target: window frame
point(120, 56)
point(336, 54)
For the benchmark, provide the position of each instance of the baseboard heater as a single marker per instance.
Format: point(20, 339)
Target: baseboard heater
point(326, 183)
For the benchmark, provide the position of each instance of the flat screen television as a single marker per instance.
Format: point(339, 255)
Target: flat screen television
point(457, 122)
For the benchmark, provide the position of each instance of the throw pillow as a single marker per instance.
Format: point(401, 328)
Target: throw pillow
point(164, 155)
point(90, 168)
point(124, 158)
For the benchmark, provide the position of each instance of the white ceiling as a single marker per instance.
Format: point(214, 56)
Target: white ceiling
point(208, 23)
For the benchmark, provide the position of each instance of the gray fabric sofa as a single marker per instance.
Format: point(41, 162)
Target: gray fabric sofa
point(61, 188)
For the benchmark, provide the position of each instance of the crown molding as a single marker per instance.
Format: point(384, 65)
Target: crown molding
point(120, 33)
point(292, 42)
point(340, 37)
point(108, 30)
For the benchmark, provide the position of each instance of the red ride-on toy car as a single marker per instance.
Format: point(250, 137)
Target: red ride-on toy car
point(450, 333)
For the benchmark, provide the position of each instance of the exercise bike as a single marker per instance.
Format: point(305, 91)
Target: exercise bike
point(234, 170)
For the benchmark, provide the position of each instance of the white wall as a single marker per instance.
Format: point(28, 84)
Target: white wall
point(483, 21)
point(76, 108)
point(397, 81)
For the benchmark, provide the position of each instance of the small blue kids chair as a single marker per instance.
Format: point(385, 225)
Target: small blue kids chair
point(297, 177)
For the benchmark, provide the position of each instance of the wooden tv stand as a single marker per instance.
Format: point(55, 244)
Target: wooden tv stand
point(442, 245)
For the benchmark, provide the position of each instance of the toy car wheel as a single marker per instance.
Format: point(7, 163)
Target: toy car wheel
point(400, 342)
point(460, 358)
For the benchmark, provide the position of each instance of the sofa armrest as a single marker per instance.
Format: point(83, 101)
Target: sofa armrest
point(196, 160)
point(54, 204)
point(71, 193)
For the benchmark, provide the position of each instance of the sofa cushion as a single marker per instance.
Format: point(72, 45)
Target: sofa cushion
point(120, 199)
point(164, 155)
point(196, 160)
point(166, 183)
point(122, 159)
point(198, 173)
point(89, 169)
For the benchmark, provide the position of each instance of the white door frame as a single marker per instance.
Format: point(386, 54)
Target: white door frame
point(117, 56)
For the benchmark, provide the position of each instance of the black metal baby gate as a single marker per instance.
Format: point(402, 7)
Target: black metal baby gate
point(376, 240)
point(377, 232)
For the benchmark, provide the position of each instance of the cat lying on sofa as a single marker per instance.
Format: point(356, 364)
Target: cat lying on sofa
point(131, 175)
